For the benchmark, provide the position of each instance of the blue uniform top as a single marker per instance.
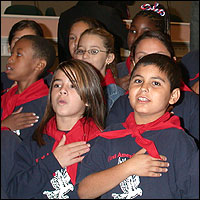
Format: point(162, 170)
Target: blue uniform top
point(36, 106)
point(38, 174)
point(190, 67)
point(181, 180)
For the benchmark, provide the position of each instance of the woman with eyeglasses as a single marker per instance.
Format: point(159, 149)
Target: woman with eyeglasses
point(96, 46)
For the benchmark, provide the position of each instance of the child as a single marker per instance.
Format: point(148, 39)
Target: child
point(96, 46)
point(106, 169)
point(77, 27)
point(30, 59)
point(21, 28)
point(47, 166)
point(74, 115)
point(150, 18)
point(187, 108)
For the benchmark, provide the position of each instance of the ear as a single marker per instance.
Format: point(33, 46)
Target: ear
point(41, 65)
point(175, 95)
point(132, 64)
point(110, 58)
point(9, 49)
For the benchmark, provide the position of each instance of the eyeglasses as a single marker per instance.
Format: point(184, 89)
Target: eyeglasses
point(90, 51)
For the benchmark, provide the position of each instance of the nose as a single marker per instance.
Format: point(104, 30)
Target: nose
point(144, 87)
point(10, 59)
point(63, 91)
point(86, 55)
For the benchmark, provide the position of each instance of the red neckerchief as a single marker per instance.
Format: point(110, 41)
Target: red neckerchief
point(128, 64)
point(109, 79)
point(164, 122)
point(184, 87)
point(10, 99)
point(83, 130)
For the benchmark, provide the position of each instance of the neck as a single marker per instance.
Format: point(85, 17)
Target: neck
point(22, 85)
point(103, 73)
point(66, 123)
point(145, 119)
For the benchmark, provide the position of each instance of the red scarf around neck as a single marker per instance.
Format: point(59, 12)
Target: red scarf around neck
point(108, 79)
point(83, 130)
point(128, 64)
point(135, 130)
point(184, 87)
point(10, 99)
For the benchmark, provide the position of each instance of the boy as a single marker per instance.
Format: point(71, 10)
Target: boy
point(107, 171)
point(30, 59)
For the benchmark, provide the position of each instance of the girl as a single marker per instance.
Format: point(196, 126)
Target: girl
point(31, 58)
point(74, 115)
point(96, 46)
point(150, 18)
point(77, 26)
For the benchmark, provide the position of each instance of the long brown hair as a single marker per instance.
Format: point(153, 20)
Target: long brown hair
point(86, 80)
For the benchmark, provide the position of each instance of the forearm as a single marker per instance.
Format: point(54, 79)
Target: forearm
point(99, 183)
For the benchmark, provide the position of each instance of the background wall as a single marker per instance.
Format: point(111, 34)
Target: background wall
point(179, 8)
point(182, 9)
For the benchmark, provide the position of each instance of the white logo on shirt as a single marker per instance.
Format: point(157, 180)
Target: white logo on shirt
point(129, 186)
point(61, 183)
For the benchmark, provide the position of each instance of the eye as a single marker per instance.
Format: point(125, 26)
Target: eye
point(156, 83)
point(137, 81)
point(132, 31)
point(72, 86)
point(56, 85)
point(80, 52)
point(19, 54)
point(72, 37)
point(94, 51)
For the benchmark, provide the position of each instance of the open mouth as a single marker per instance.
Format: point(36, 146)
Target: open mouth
point(143, 99)
point(9, 68)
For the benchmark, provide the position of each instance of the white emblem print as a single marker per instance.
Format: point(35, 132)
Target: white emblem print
point(129, 186)
point(62, 185)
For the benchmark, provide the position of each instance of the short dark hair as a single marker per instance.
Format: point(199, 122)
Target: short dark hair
point(163, 37)
point(43, 49)
point(22, 25)
point(165, 64)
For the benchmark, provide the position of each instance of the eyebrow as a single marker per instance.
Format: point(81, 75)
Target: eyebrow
point(90, 46)
point(156, 77)
point(56, 80)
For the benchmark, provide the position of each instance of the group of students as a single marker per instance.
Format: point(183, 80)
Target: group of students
point(95, 128)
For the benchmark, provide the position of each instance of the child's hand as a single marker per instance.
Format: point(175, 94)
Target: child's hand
point(70, 153)
point(18, 120)
point(144, 165)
